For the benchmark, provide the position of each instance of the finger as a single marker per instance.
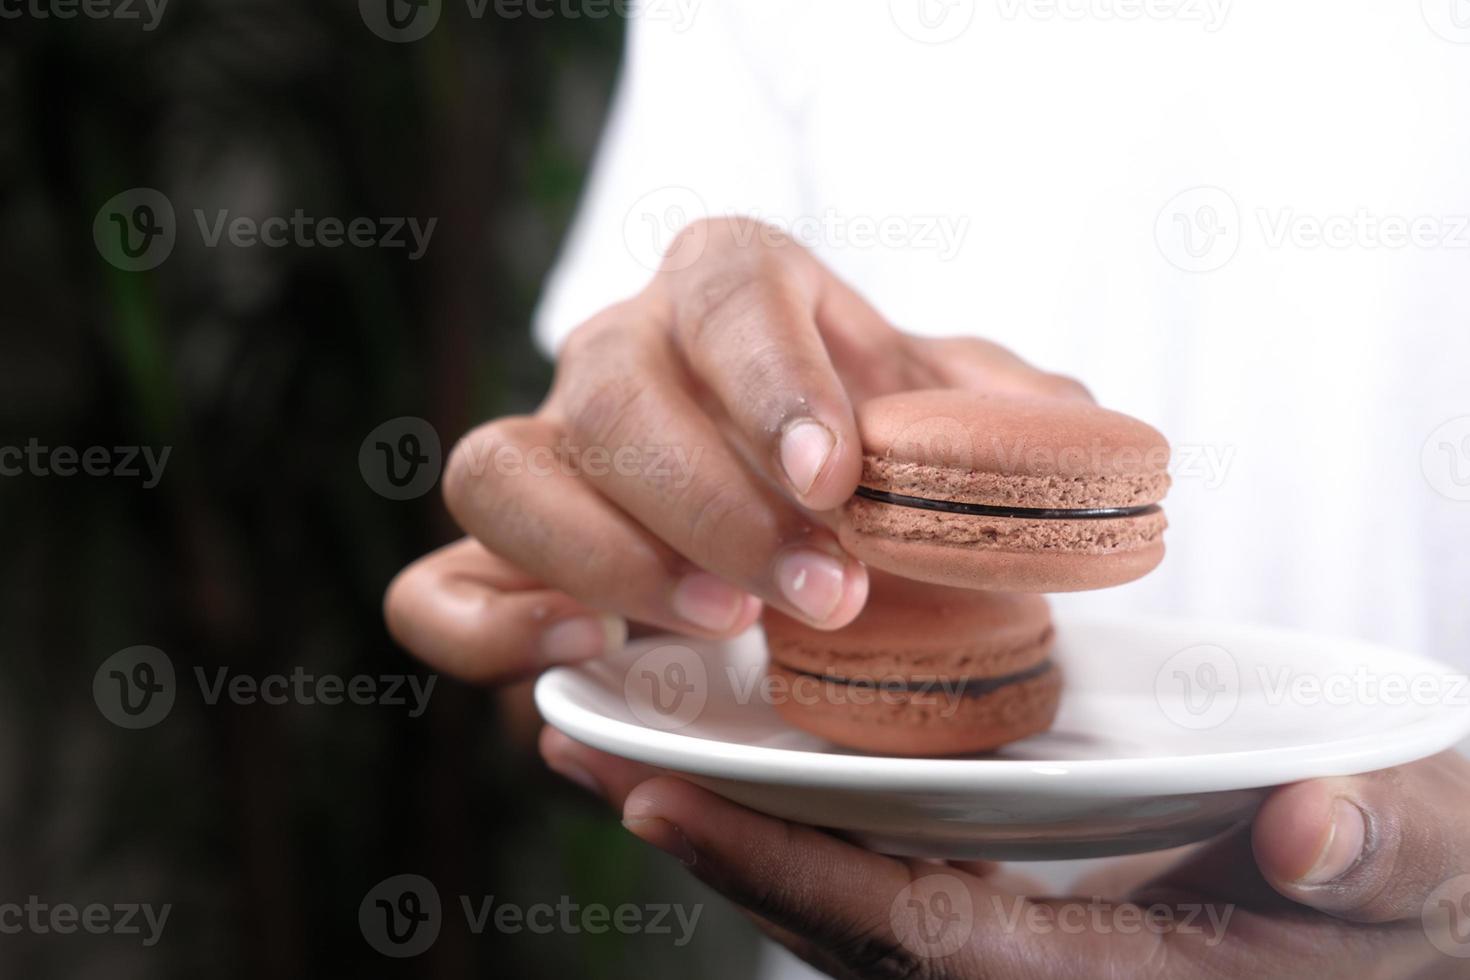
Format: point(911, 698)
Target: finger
point(971, 362)
point(610, 777)
point(871, 356)
point(471, 615)
point(877, 916)
point(744, 321)
point(618, 397)
point(1368, 848)
point(512, 485)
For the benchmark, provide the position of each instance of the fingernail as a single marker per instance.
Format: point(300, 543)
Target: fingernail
point(1344, 845)
point(582, 638)
point(576, 774)
point(805, 447)
point(811, 581)
point(708, 602)
point(662, 835)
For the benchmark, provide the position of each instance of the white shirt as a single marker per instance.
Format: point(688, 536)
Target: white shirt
point(1248, 224)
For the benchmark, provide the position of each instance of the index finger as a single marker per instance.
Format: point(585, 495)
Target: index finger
point(744, 320)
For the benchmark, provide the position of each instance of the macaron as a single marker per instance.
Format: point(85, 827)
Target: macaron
point(924, 670)
point(1005, 492)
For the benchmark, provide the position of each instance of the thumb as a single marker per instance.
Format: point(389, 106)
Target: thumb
point(1369, 848)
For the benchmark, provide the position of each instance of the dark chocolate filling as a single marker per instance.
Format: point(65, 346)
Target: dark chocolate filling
point(971, 688)
point(992, 510)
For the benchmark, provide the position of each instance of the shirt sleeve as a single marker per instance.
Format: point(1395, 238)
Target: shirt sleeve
point(698, 126)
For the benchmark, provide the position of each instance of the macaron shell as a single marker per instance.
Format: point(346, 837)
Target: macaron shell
point(976, 567)
point(915, 629)
point(931, 723)
point(1010, 450)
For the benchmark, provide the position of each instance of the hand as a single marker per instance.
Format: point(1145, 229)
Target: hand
point(1330, 880)
point(682, 470)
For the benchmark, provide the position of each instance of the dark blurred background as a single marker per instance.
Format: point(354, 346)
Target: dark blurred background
point(264, 547)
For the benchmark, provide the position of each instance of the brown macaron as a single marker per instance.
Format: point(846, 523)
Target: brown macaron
point(988, 491)
point(923, 671)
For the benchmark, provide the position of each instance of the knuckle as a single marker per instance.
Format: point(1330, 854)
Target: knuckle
point(1066, 386)
point(588, 342)
point(605, 404)
point(471, 467)
point(729, 300)
point(767, 382)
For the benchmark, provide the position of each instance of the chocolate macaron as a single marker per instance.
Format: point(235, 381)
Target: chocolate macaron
point(924, 670)
point(987, 491)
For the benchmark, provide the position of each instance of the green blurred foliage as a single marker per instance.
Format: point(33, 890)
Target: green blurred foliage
point(263, 549)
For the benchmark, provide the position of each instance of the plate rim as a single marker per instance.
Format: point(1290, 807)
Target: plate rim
point(1152, 776)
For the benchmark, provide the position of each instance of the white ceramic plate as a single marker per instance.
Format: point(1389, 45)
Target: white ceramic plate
point(1169, 732)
